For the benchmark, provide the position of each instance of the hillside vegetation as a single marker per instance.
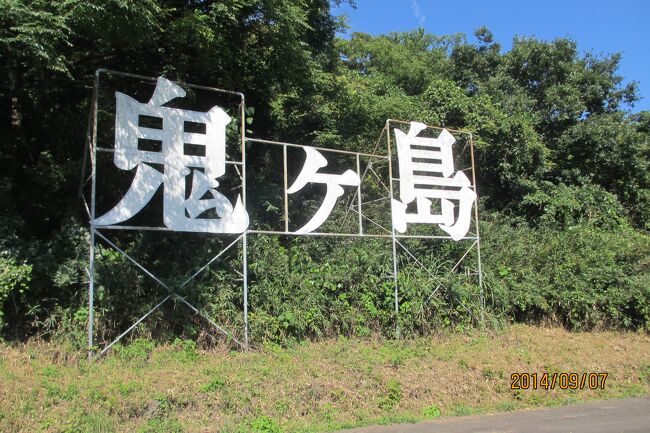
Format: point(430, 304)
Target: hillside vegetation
point(307, 387)
point(562, 172)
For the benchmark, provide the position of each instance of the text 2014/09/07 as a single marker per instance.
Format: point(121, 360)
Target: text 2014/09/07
point(558, 380)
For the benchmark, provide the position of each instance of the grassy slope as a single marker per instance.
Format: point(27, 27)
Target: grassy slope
point(311, 387)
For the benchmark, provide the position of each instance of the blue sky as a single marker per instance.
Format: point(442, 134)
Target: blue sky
point(598, 26)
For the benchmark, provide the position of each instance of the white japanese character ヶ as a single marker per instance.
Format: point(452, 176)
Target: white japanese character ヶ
point(309, 173)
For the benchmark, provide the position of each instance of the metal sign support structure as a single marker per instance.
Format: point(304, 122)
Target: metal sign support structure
point(95, 231)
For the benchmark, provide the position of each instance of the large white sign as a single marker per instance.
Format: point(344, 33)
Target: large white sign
point(426, 172)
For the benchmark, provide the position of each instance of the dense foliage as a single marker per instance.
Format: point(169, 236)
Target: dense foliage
point(563, 170)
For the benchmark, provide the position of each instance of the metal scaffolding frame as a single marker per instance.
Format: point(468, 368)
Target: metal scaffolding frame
point(91, 150)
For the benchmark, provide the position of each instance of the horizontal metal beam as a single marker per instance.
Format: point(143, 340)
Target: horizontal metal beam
point(354, 235)
point(404, 122)
point(153, 79)
point(112, 150)
point(119, 227)
point(324, 149)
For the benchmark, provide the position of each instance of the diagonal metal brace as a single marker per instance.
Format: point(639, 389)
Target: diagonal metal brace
point(171, 294)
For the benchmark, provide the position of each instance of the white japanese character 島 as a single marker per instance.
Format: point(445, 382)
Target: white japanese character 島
point(417, 177)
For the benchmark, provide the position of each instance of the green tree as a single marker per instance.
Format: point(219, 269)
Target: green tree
point(555, 142)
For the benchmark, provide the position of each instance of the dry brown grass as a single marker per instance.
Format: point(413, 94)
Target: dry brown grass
point(311, 387)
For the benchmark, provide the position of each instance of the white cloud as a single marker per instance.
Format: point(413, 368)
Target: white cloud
point(417, 11)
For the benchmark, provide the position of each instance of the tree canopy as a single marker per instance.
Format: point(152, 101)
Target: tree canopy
point(562, 156)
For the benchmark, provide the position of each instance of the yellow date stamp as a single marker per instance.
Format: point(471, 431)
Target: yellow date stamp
point(558, 380)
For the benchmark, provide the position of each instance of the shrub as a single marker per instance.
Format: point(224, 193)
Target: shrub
point(14, 279)
point(584, 277)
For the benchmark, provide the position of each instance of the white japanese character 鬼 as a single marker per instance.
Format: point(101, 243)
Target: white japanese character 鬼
point(418, 174)
point(309, 173)
point(180, 211)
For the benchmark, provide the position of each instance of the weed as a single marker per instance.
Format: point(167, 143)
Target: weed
point(50, 371)
point(185, 351)
point(488, 373)
point(90, 423)
point(393, 395)
point(162, 405)
point(397, 360)
point(431, 412)
point(282, 406)
point(337, 394)
point(70, 392)
point(264, 424)
point(126, 388)
point(157, 425)
point(96, 396)
point(215, 384)
point(506, 406)
point(462, 410)
point(51, 390)
point(525, 356)
point(56, 393)
point(139, 350)
point(644, 374)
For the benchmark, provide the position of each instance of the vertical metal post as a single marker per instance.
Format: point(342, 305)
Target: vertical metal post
point(91, 265)
point(359, 195)
point(480, 274)
point(91, 294)
point(245, 277)
point(286, 197)
point(392, 230)
point(478, 236)
point(245, 237)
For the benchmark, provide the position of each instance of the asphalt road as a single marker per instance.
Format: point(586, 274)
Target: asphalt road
point(631, 415)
